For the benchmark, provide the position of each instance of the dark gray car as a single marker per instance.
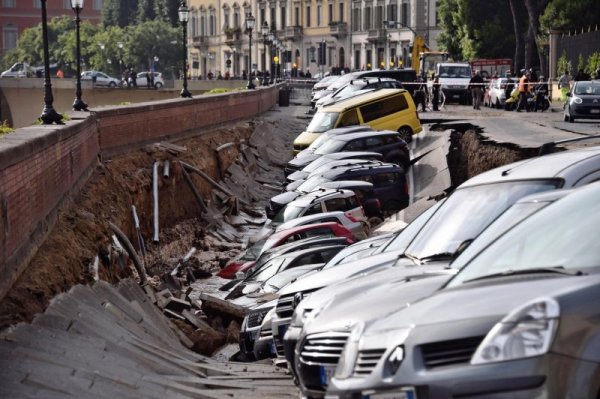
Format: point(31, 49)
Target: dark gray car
point(520, 320)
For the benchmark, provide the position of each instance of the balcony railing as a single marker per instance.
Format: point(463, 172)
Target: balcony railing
point(200, 41)
point(293, 32)
point(338, 29)
point(376, 35)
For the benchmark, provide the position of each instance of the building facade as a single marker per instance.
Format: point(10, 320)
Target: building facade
point(351, 33)
point(18, 15)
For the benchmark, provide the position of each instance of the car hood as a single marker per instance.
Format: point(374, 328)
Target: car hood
point(298, 175)
point(344, 271)
point(286, 197)
point(301, 162)
point(481, 300)
point(382, 293)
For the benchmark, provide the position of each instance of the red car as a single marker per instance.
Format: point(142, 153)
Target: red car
point(246, 260)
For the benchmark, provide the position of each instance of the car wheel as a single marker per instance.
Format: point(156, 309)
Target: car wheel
point(112, 85)
point(566, 118)
point(374, 221)
point(498, 105)
point(158, 85)
point(571, 119)
point(405, 133)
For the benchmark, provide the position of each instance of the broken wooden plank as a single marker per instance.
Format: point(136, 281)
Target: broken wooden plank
point(213, 303)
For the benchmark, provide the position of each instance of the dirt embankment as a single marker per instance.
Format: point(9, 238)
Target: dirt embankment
point(82, 232)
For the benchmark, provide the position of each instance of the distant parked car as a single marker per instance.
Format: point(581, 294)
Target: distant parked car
point(583, 101)
point(18, 70)
point(142, 79)
point(495, 94)
point(100, 78)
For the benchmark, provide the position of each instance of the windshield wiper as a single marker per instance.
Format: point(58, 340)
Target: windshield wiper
point(553, 269)
point(440, 256)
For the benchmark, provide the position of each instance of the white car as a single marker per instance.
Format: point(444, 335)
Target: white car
point(141, 80)
point(100, 78)
point(496, 96)
point(358, 228)
point(18, 70)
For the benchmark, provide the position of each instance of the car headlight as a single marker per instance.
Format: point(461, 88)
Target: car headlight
point(345, 366)
point(267, 317)
point(299, 317)
point(525, 332)
point(577, 100)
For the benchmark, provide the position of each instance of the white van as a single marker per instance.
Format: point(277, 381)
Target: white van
point(18, 70)
point(454, 80)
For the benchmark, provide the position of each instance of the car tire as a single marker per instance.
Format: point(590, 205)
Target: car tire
point(405, 134)
point(158, 85)
point(112, 85)
point(571, 119)
point(374, 221)
point(498, 105)
point(565, 117)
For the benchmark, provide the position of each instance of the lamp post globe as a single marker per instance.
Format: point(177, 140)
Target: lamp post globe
point(265, 35)
point(250, 21)
point(184, 14)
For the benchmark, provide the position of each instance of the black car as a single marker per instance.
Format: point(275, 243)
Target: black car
point(386, 142)
point(390, 186)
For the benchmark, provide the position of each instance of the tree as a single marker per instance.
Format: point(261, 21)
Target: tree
point(166, 10)
point(154, 39)
point(448, 38)
point(146, 11)
point(569, 15)
point(535, 9)
point(119, 12)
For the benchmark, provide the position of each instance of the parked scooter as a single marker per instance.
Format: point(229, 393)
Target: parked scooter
point(511, 103)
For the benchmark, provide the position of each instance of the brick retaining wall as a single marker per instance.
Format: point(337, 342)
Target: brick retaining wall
point(41, 166)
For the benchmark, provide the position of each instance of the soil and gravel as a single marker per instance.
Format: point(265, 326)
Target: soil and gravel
point(82, 232)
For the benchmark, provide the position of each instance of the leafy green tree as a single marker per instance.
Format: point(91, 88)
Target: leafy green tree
point(119, 12)
point(570, 15)
point(146, 11)
point(448, 38)
point(593, 64)
point(154, 39)
point(166, 10)
point(563, 65)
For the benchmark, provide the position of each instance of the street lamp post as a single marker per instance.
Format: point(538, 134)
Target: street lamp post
point(49, 114)
point(120, 46)
point(183, 18)
point(78, 104)
point(265, 34)
point(272, 57)
point(250, 21)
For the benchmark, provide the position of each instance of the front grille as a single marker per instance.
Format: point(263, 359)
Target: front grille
point(367, 360)
point(254, 319)
point(266, 333)
point(285, 306)
point(323, 349)
point(447, 353)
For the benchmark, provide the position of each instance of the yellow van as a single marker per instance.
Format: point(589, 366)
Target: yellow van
point(385, 109)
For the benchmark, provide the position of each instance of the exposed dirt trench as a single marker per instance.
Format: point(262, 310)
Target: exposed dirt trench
point(82, 232)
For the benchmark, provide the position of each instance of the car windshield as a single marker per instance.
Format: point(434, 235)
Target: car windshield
point(563, 235)
point(253, 252)
point(288, 212)
point(344, 91)
point(322, 122)
point(405, 237)
point(588, 88)
point(311, 183)
point(330, 146)
point(467, 212)
point(455, 72)
point(513, 216)
point(267, 271)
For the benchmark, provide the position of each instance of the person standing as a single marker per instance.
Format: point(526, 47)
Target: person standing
point(435, 91)
point(523, 89)
point(476, 86)
point(420, 94)
point(509, 86)
point(133, 77)
point(564, 86)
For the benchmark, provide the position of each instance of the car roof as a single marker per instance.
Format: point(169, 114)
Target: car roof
point(348, 184)
point(363, 98)
point(307, 219)
point(351, 155)
point(300, 252)
point(382, 167)
point(279, 235)
point(548, 166)
point(359, 135)
point(315, 196)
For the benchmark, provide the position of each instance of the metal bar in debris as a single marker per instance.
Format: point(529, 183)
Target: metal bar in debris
point(140, 238)
point(155, 198)
point(187, 257)
point(131, 251)
point(210, 180)
point(190, 183)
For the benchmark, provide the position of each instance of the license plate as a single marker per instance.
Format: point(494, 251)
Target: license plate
point(594, 111)
point(272, 348)
point(326, 373)
point(456, 96)
point(404, 393)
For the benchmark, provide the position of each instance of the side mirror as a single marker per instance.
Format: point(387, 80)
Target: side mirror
point(569, 94)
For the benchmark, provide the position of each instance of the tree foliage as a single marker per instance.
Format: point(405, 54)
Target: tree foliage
point(570, 15)
point(119, 12)
point(100, 46)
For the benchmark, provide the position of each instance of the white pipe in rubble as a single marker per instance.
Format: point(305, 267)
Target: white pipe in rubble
point(166, 169)
point(155, 197)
